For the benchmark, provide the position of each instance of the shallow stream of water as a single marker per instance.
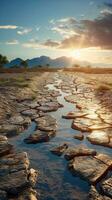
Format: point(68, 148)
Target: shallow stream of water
point(55, 181)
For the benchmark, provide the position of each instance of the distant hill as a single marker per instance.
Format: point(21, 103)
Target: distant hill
point(15, 62)
point(43, 61)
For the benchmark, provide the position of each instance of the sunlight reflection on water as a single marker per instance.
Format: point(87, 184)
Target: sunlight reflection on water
point(55, 181)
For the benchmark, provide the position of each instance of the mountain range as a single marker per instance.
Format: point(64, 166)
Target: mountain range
point(59, 62)
point(47, 61)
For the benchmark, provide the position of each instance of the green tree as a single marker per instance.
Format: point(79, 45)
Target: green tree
point(3, 60)
point(47, 65)
point(40, 66)
point(24, 64)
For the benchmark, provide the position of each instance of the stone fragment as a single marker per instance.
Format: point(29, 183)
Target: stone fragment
point(79, 151)
point(94, 195)
point(79, 136)
point(60, 149)
point(99, 138)
point(5, 147)
point(88, 168)
point(46, 123)
point(107, 187)
point(39, 136)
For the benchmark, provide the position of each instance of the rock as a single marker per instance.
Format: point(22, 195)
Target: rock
point(34, 105)
point(55, 93)
point(92, 115)
point(27, 122)
point(79, 136)
point(25, 97)
point(82, 124)
point(28, 194)
point(81, 151)
point(107, 187)
point(99, 126)
point(106, 117)
point(13, 163)
point(105, 159)
point(5, 147)
point(9, 130)
point(49, 106)
point(32, 176)
point(73, 115)
point(14, 182)
point(88, 168)
point(88, 124)
point(39, 136)
point(31, 104)
point(3, 139)
point(29, 113)
point(46, 123)
point(15, 175)
point(94, 195)
point(60, 150)
point(16, 120)
point(3, 195)
point(71, 98)
point(99, 137)
point(41, 114)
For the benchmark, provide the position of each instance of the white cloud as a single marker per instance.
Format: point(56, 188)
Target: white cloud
point(8, 27)
point(64, 32)
point(12, 42)
point(50, 43)
point(24, 31)
point(52, 21)
point(106, 11)
point(65, 26)
point(69, 20)
point(36, 44)
point(32, 43)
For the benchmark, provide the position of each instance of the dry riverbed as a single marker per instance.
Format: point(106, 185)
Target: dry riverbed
point(37, 109)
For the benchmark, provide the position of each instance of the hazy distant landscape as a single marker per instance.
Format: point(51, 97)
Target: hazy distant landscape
point(61, 62)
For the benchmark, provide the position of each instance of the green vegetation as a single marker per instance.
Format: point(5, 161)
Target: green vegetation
point(19, 82)
point(3, 60)
point(24, 64)
point(47, 65)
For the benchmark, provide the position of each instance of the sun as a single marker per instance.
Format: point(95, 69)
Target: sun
point(75, 54)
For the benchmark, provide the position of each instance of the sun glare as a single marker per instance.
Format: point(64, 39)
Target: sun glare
point(75, 54)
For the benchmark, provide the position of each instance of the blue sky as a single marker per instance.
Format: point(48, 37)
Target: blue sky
point(30, 28)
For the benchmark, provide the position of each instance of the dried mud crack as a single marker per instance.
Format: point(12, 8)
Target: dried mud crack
point(47, 114)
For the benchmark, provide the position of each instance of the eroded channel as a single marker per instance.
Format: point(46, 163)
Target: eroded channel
point(55, 180)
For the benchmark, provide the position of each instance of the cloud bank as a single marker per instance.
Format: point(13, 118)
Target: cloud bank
point(86, 33)
point(12, 42)
point(77, 34)
point(83, 33)
point(24, 31)
point(8, 27)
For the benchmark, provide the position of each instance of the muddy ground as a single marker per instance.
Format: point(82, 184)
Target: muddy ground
point(32, 97)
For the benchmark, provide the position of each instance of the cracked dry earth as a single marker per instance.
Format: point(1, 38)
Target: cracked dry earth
point(55, 136)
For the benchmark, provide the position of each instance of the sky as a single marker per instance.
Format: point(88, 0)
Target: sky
point(75, 28)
